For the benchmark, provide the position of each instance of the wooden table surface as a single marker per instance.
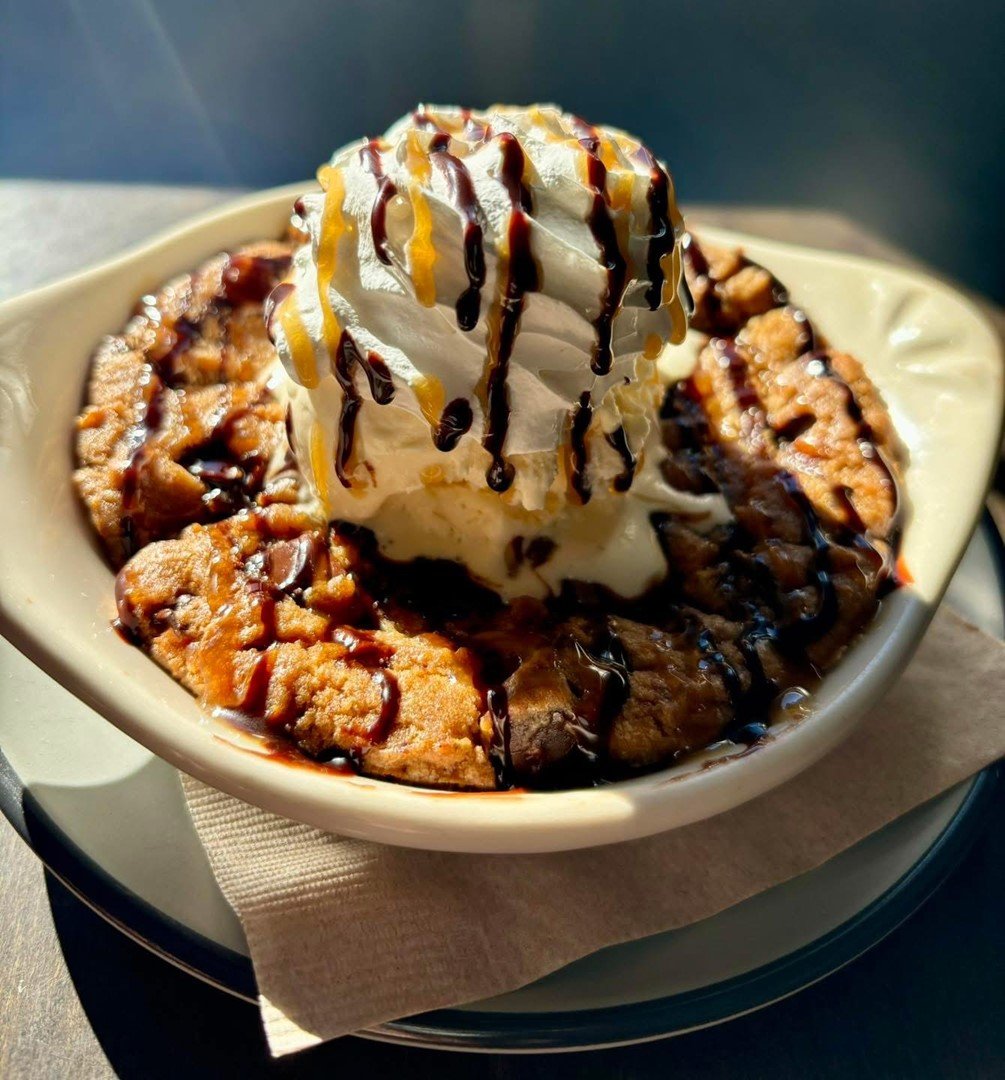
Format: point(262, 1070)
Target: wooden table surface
point(78, 999)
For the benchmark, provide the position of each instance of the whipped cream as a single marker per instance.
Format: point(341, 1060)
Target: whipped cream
point(473, 338)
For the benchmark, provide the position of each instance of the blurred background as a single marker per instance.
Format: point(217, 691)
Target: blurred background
point(890, 112)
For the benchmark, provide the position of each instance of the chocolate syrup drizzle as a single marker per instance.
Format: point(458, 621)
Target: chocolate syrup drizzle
point(346, 356)
point(462, 192)
point(618, 439)
point(369, 156)
point(609, 663)
point(820, 364)
point(521, 278)
point(661, 233)
point(248, 279)
point(139, 437)
point(578, 477)
point(751, 704)
point(244, 279)
point(287, 569)
point(455, 422)
point(811, 626)
point(365, 649)
point(499, 752)
point(390, 701)
point(443, 593)
point(378, 377)
point(601, 225)
point(694, 259)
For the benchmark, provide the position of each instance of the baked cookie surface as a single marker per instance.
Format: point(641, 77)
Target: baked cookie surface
point(415, 672)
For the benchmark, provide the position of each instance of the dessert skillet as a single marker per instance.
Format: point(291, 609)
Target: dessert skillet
point(841, 291)
point(770, 508)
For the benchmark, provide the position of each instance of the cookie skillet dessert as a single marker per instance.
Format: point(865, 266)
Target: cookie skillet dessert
point(426, 489)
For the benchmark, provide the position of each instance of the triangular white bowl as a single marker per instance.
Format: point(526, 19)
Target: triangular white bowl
point(936, 360)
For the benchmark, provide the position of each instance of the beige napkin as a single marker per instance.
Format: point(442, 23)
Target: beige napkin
point(345, 934)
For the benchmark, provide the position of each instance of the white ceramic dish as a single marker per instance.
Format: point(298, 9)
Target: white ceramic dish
point(935, 359)
point(109, 819)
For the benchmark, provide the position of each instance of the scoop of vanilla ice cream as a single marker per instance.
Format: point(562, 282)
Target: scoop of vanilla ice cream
point(473, 336)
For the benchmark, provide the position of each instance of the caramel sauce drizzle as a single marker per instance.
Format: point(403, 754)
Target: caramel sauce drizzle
point(316, 453)
point(333, 228)
point(282, 307)
point(421, 251)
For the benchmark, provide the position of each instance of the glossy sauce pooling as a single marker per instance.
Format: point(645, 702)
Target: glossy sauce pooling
point(519, 276)
point(602, 674)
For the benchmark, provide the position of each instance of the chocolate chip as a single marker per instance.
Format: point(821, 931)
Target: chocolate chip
point(290, 563)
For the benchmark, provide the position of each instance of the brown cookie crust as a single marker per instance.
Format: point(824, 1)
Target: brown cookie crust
point(415, 672)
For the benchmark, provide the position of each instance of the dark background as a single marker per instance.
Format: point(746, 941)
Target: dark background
point(891, 112)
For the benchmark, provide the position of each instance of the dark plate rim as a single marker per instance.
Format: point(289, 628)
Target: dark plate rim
point(463, 1029)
